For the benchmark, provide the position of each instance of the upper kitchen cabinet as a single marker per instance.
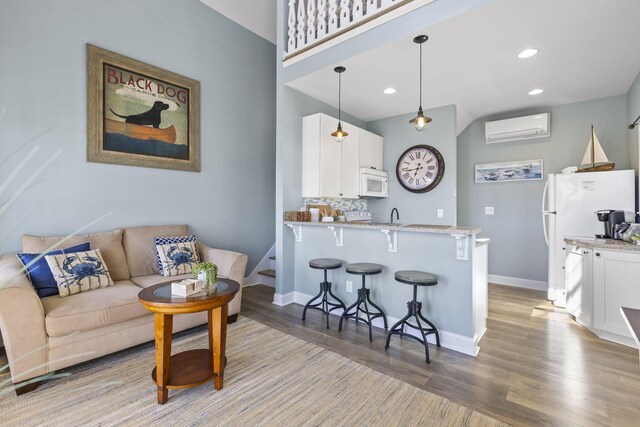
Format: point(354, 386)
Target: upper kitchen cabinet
point(329, 168)
point(371, 148)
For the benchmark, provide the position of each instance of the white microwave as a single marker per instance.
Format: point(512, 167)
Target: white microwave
point(373, 183)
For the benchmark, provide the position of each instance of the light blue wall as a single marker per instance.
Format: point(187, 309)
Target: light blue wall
point(230, 204)
point(517, 246)
point(398, 136)
point(296, 106)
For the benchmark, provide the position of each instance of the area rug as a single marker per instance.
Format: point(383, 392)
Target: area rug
point(272, 379)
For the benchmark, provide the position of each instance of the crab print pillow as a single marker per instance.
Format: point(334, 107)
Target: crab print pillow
point(79, 272)
point(177, 258)
point(166, 241)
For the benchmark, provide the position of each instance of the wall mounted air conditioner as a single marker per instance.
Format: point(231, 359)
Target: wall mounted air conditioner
point(517, 128)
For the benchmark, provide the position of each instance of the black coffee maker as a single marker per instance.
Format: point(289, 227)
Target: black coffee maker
point(611, 218)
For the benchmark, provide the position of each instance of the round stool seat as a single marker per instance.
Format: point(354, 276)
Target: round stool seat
point(325, 263)
point(419, 278)
point(364, 268)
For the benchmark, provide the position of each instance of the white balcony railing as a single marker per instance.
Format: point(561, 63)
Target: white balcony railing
point(312, 22)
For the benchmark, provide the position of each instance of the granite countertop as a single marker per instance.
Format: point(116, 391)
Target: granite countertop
point(414, 228)
point(594, 243)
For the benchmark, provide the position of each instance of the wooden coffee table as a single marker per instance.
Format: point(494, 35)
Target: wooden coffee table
point(193, 367)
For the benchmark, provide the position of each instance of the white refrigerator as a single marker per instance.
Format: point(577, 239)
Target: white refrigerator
point(569, 203)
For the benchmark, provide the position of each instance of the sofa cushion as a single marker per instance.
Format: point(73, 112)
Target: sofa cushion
point(139, 244)
point(109, 243)
point(155, 279)
point(91, 310)
point(79, 272)
point(39, 272)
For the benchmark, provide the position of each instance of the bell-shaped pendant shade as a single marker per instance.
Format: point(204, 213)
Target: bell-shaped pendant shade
point(420, 121)
point(339, 135)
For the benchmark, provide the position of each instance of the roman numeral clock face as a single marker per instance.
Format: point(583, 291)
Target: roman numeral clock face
point(420, 168)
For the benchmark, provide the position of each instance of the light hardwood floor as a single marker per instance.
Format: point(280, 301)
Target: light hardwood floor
point(536, 366)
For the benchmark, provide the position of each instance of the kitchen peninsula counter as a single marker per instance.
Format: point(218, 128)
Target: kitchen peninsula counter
point(415, 228)
point(455, 255)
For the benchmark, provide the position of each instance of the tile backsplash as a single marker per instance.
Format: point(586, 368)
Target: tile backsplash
point(342, 204)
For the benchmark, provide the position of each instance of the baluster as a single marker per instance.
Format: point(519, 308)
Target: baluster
point(358, 10)
point(345, 13)
point(302, 24)
point(291, 43)
point(311, 21)
point(333, 16)
point(322, 18)
point(372, 7)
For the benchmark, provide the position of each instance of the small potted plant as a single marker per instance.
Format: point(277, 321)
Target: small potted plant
point(207, 272)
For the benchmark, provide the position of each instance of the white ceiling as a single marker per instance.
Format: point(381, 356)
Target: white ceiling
point(258, 16)
point(587, 49)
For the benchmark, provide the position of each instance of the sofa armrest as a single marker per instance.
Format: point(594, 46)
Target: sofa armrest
point(21, 322)
point(230, 264)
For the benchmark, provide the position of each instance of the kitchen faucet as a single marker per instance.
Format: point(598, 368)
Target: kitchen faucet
point(397, 215)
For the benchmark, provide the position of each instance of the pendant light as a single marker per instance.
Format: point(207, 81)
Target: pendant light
point(420, 121)
point(339, 135)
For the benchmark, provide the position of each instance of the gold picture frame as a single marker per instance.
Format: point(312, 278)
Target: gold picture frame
point(140, 115)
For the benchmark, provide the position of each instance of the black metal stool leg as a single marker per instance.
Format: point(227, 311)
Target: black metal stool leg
point(424, 338)
point(309, 304)
point(374, 305)
point(414, 310)
point(324, 304)
point(394, 329)
point(433, 327)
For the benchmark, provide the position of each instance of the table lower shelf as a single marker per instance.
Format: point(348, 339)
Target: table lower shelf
point(189, 369)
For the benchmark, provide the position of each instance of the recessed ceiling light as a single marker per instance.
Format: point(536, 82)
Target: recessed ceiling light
point(389, 91)
point(535, 92)
point(527, 53)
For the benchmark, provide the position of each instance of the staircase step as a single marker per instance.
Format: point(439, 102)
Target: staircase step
point(272, 257)
point(270, 272)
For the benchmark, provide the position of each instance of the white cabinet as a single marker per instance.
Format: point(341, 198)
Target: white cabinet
point(616, 283)
point(329, 169)
point(371, 150)
point(579, 280)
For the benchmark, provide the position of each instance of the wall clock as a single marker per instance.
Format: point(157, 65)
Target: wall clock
point(420, 168)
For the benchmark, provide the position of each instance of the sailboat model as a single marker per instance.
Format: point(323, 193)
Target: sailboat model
point(594, 159)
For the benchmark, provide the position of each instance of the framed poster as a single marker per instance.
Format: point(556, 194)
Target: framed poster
point(509, 171)
point(140, 115)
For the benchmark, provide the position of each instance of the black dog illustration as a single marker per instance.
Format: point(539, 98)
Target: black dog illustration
point(150, 117)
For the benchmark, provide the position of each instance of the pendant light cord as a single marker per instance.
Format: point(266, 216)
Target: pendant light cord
point(421, 76)
point(339, 99)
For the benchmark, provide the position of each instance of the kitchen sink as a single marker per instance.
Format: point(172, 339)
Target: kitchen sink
point(388, 224)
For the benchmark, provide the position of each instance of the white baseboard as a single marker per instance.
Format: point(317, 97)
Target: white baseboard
point(450, 340)
point(265, 263)
point(518, 282)
point(283, 299)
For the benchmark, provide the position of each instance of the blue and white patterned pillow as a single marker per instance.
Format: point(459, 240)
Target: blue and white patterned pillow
point(170, 240)
point(79, 272)
point(177, 258)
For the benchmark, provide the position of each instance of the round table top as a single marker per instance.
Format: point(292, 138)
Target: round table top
point(158, 298)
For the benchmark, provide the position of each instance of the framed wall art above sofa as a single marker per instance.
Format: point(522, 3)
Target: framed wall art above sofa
point(140, 115)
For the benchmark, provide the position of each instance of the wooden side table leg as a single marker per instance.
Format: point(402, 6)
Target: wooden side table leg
point(163, 331)
point(218, 342)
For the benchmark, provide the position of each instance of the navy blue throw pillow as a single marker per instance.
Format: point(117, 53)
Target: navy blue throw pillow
point(39, 272)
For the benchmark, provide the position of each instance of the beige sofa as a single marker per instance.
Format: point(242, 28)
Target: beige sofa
point(52, 333)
